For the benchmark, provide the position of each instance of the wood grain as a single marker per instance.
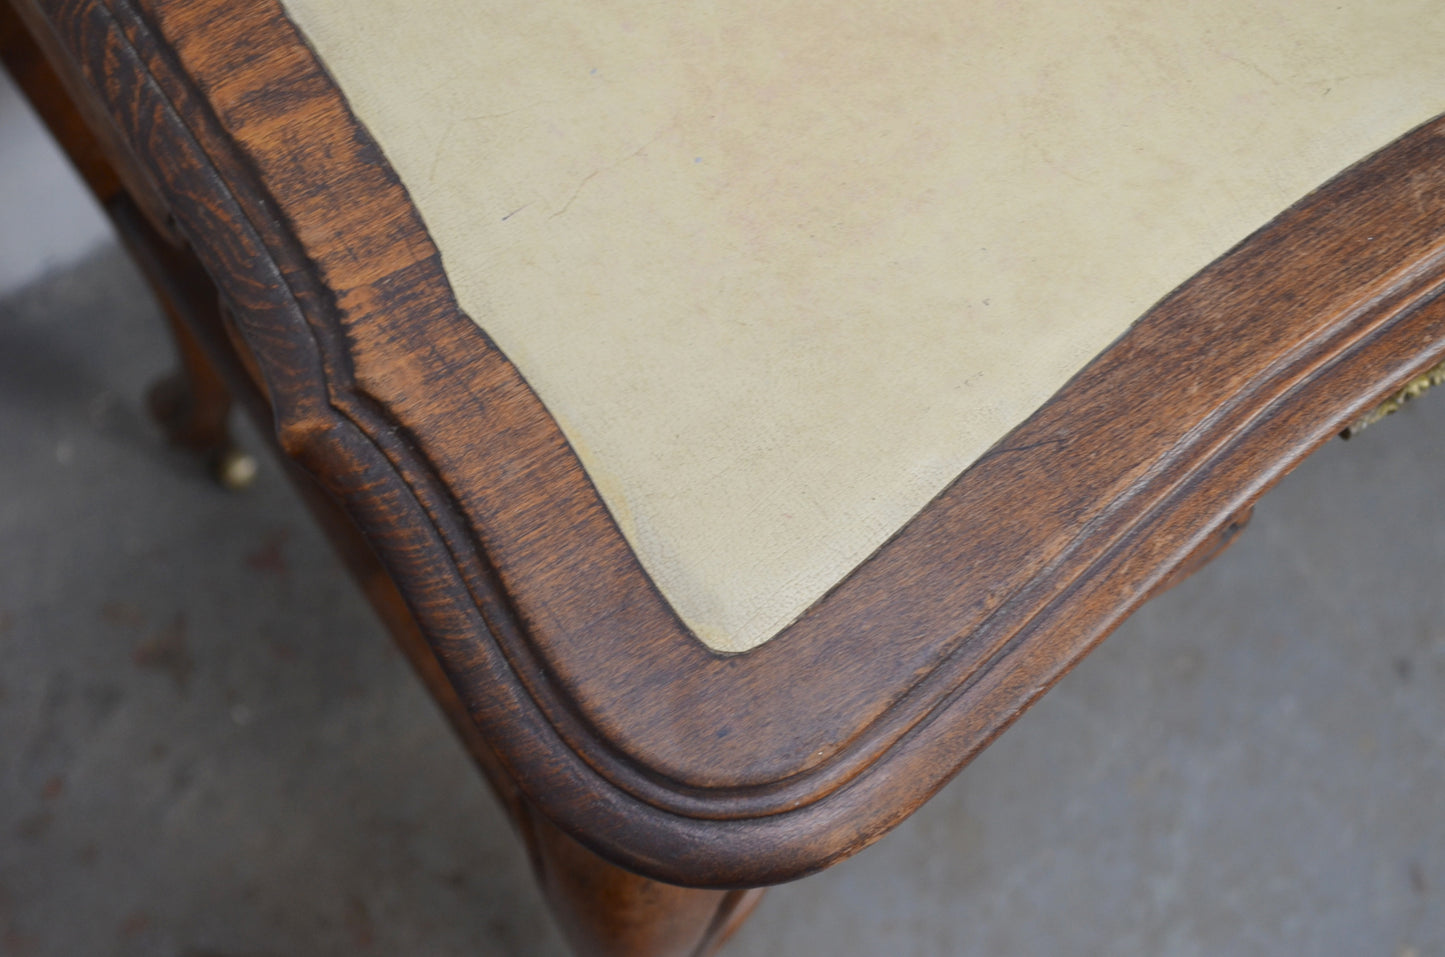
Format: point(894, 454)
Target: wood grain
point(617, 724)
point(603, 910)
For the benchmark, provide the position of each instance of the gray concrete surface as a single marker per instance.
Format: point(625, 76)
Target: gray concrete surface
point(208, 748)
point(52, 220)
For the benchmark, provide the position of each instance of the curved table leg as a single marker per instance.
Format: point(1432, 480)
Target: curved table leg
point(605, 911)
point(194, 404)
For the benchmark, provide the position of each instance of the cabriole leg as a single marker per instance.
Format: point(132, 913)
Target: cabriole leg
point(605, 911)
point(193, 406)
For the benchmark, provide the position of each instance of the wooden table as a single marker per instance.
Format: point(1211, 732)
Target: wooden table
point(657, 783)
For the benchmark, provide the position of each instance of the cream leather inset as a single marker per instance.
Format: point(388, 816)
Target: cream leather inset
point(782, 270)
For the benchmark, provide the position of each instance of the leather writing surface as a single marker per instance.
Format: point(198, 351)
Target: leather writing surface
point(781, 271)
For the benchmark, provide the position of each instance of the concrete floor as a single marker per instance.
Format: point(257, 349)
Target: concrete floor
point(208, 748)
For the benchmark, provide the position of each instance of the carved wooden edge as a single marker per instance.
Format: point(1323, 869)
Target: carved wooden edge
point(603, 910)
point(688, 766)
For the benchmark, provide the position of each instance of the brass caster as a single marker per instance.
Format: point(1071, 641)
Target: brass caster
point(235, 469)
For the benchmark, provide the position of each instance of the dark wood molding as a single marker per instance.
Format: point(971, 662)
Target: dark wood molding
point(686, 765)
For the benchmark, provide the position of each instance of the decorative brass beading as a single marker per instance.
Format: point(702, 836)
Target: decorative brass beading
point(1413, 389)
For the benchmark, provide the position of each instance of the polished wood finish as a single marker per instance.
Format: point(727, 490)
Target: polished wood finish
point(753, 768)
